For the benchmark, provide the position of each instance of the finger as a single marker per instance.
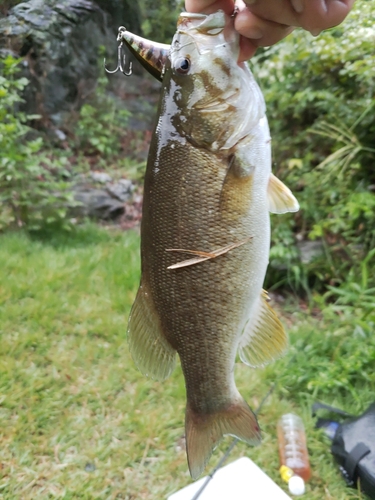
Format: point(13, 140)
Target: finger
point(278, 11)
point(209, 6)
point(247, 49)
point(262, 33)
point(319, 15)
point(312, 15)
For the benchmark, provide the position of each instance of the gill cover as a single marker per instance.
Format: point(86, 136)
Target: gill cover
point(201, 33)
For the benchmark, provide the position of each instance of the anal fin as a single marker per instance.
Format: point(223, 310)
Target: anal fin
point(280, 198)
point(264, 338)
point(203, 432)
point(150, 350)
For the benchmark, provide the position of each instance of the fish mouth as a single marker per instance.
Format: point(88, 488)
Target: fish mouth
point(198, 23)
point(186, 18)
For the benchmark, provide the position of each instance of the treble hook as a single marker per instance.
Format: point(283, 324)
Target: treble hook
point(121, 61)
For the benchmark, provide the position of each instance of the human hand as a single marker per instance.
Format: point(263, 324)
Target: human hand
point(264, 22)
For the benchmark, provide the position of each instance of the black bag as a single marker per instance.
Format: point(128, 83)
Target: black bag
point(353, 446)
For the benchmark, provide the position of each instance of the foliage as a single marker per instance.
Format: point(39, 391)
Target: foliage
point(34, 185)
point(320, 95)
point(333, 350)
point(160, 19)
point(338, 361)
point(78, 420)
point(355, 298)
point(102, 123)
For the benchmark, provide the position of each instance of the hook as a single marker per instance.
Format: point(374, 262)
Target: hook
point(235, 12)
point(121, 61)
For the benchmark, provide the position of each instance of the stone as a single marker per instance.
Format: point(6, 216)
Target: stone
point(104, 203)
point(101, 177)
point(310, 250)
point(59, 41)
point(122, 190)
point(96, 203)
point(60, 135)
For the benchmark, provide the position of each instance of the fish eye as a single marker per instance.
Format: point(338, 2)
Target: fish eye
point(183, 65)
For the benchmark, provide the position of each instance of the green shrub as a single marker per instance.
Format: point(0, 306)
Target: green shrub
point(159, 19)
point(332, 348)
point(102, 123)
point(336, 354)
point(34, 185)
point(320, 95)
point(336, 361)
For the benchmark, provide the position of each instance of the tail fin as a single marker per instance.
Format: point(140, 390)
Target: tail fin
point(203, 432)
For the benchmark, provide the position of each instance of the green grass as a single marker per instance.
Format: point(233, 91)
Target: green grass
point(78, 421)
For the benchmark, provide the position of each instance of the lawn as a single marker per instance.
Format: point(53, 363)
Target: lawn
point(78, 421)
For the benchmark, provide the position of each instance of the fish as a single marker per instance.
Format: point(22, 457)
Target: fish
point(205, 231)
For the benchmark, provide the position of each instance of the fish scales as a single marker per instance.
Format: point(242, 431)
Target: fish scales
point(205, 233)
point(200, 305)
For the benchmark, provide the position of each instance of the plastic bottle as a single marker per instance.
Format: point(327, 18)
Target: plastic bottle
point(293, 452)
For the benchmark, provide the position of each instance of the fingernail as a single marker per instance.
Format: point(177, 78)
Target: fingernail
point(315, 32)
point(297, 5)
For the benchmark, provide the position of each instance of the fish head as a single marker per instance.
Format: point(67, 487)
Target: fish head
point(204, 44)
point(210, 88)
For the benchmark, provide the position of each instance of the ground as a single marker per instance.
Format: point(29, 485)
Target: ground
point(78, 421)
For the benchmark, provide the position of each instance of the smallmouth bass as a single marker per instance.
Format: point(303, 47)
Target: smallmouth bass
point(205, 231)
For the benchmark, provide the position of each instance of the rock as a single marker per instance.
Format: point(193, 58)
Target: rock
point(107, 203)
point(122, 190)
point(310, 250)
point(60, 134)
point(100, 177)
point(122, 13)
point(60, 40)
point(97, 203)
point(90, 467)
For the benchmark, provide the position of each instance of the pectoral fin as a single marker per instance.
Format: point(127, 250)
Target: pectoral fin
point(280, 197)
point(150, 350)
point(264, 338)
